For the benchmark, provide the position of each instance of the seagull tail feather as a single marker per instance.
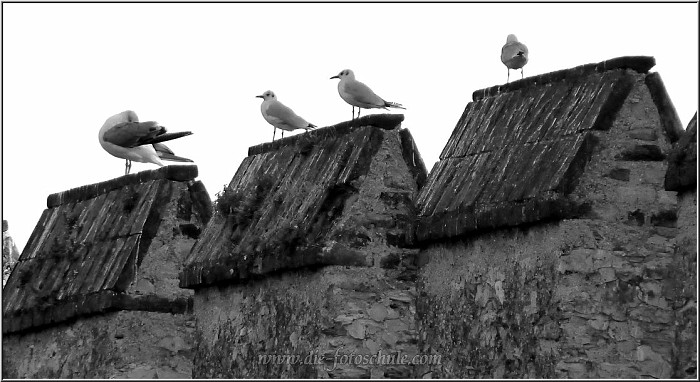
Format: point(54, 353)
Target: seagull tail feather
point(169, 136)
point(174, 158)
point(394, 104)
point(165, 153)
point(311, 126)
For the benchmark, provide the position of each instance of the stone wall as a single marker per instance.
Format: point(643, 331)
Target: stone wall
point(685, 258)
point(178, 229)
point(316, 315)
point(126, 344)
point(596, 297)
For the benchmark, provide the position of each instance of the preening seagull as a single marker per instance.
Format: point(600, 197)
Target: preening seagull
point(123, 136)
point(280, 116)
point(358, 94)
point(514, 55)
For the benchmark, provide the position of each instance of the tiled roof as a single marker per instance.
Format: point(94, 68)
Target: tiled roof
point(682, 161)
point(286, 198)
point(518, 149)
point(85, 249)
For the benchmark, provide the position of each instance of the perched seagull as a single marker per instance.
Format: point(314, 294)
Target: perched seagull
point(358, 94)
point(280, 116)
point(514, 55)
point(123, 136)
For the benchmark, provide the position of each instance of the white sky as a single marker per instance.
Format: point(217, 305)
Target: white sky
point(198, 67)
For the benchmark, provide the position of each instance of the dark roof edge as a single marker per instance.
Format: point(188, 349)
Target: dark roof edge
point(468, 220)
point(384, 121)
point(681, 174)
point(670, 121)
point(413, 159)
point(180, 173)
point(240, 270)
point(640, 64)
point(93, 304)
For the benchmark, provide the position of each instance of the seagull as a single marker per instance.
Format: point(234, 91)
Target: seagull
point(280, 116)
point(358, 94)
point(514, 55)
point(123, 136)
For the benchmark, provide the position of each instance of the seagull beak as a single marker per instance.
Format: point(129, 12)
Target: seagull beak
point(334, 77)
point(259, 96)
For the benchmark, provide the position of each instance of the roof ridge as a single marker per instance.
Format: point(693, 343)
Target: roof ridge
point(384, 121)
point(178, 173)
point(640, 64)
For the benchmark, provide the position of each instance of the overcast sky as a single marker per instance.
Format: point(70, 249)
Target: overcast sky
point(198, 67)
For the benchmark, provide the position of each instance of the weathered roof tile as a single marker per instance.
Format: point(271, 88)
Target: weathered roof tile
point(518, 149)
point(86, 245)
point(284, 206)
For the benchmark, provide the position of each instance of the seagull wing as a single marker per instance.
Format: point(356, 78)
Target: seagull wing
point(511, 49)
point(132, 134)
point(362, 94)
point(284, 115)
point(523, 48)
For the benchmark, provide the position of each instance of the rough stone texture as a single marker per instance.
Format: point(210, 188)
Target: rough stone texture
point(362, 308)
point(112, 345)
point(576, 299)
point(317, 316)
point(92, 340)
point(9, 253)
point(682, 177)
point(685, 259)
point(606, 295)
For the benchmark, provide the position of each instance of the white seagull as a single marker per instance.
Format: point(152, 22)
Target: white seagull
point(514, 55)
point(280, 116)
point(123, 136)
point(358, 94)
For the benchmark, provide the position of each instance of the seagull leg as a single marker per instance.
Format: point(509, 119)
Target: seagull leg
point(508, 80)
point(521, 74)
point(282, 133)
point(274, 131)
point(353, 112)
point(127, 167)
point(358, 112)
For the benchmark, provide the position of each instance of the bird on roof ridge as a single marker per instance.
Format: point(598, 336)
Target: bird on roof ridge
point(514, 55)
point(358, 94)
point(123, 136)
point(280, 116)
